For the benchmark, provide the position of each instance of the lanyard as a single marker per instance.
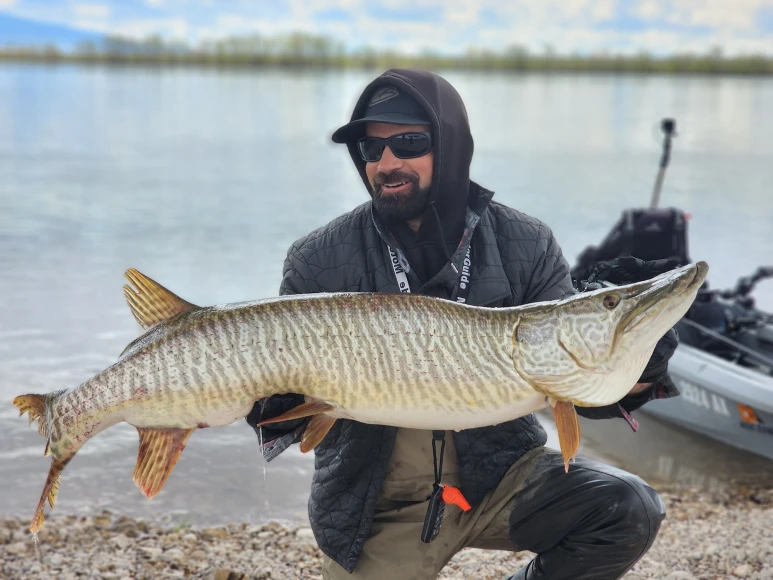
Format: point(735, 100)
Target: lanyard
point(441, 494)
point(462, 287)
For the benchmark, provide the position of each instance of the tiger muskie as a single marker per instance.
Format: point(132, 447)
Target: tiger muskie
point(393, 359)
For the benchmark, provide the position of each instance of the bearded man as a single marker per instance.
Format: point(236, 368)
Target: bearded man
point(429, 229)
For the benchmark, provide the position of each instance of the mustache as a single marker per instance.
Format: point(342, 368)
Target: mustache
point(397, 175)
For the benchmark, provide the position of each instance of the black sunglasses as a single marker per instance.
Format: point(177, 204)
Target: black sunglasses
point(403, 146)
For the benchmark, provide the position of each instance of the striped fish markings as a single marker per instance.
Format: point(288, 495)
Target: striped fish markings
point(396, 359)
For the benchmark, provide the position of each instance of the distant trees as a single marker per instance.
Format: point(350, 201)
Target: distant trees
point(300, 49)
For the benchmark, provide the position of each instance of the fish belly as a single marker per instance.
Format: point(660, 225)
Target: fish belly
point(468, 417)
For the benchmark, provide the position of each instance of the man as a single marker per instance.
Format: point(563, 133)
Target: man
point(410, 140)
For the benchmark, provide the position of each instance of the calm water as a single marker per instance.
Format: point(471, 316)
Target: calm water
point(202, 179)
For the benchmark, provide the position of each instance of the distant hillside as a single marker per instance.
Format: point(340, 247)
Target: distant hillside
point(15, 31)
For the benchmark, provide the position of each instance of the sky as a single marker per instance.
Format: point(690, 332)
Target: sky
point(447, 26)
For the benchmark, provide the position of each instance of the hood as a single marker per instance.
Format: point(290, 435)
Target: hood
point(452, 146)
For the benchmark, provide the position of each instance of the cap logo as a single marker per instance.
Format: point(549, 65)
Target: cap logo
point(383, 94)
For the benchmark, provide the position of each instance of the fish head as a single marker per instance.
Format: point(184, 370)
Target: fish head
point(591, 348)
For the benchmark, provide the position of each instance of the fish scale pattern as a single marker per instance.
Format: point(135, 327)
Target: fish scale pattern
point(515, 260)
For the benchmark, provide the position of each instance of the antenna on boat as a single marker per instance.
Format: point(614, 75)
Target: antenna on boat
point(669, 128)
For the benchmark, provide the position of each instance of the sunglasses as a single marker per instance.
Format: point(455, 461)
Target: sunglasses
point(403, 146)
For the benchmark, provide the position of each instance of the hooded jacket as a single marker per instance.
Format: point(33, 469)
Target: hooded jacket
point(428, 249)
point(515, 260)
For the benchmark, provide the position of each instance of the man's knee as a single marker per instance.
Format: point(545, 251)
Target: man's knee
point(636, 511)
point(594, 503)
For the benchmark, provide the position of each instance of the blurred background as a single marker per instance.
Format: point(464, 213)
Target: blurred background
point(191, 140)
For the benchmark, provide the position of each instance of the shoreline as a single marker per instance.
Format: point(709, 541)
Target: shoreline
point(705, 536)
point(698, 64)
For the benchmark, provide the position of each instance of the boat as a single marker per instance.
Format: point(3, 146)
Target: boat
point(723, 366)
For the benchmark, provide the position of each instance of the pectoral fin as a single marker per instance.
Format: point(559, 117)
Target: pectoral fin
point(158, 454)
point(313, 407)
point(315, 432)
point(568, 427)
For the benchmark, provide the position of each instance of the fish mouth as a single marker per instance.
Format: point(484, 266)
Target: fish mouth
point(679, 285)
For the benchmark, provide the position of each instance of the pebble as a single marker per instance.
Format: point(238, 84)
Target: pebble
point(121, 541)
point(174, 555)
point(743, 571)
point(702, 537)
point(149, 552)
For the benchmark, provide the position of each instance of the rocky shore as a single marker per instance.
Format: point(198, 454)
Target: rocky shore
point(705, 536)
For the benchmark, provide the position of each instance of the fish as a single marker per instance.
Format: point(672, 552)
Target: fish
point(405, 360)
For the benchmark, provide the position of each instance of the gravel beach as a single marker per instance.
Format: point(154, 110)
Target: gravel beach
point(704, 536)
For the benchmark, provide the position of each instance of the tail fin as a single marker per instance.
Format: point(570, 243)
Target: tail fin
point(35, 406)
point(49, 492)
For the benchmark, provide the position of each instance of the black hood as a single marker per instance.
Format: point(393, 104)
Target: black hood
point(452, 147)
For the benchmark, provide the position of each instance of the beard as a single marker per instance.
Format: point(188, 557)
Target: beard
point(401, 206)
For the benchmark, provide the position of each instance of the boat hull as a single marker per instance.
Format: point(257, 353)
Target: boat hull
point(721, 400)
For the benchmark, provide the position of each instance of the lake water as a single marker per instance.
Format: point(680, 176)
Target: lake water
point(203, 178)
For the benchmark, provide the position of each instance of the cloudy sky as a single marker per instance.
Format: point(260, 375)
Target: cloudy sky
point(450, 26)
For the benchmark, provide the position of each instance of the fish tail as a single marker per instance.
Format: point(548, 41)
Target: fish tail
point(37, 407)
point(50, 491)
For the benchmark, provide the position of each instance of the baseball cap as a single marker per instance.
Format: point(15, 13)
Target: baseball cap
point(387, 104)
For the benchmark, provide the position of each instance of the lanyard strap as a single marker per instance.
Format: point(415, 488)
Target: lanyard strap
point(438, 465)
point(402, 278)
point(462, 289)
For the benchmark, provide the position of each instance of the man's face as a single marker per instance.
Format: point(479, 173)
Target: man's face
point(400, 186)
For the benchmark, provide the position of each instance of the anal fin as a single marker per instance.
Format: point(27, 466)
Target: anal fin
point(314, 407)
point(316, 431)
point(159, 450)
point(568, 427)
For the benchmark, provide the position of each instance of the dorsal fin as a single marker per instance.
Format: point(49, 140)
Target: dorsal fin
point(150, 302)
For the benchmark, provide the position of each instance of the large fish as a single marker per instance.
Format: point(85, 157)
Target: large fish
point(393, 359)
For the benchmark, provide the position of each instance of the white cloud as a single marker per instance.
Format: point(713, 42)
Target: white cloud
point(569, 25)
point(176, 28)
point(91, 11)
point(462, 13)
point(649, 9)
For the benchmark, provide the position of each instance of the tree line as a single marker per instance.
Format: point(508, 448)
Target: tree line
point(317, 51)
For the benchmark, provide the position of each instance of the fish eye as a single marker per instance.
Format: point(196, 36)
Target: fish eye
point(611, 301)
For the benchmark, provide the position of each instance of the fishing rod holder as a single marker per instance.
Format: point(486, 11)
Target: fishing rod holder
point(668, 126)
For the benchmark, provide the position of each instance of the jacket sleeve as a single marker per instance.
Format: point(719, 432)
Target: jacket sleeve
point(550, 278)
point(274, 439)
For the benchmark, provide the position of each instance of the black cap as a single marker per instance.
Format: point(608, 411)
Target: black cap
point(386, 105)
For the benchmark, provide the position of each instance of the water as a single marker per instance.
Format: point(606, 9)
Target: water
point(202, 179)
